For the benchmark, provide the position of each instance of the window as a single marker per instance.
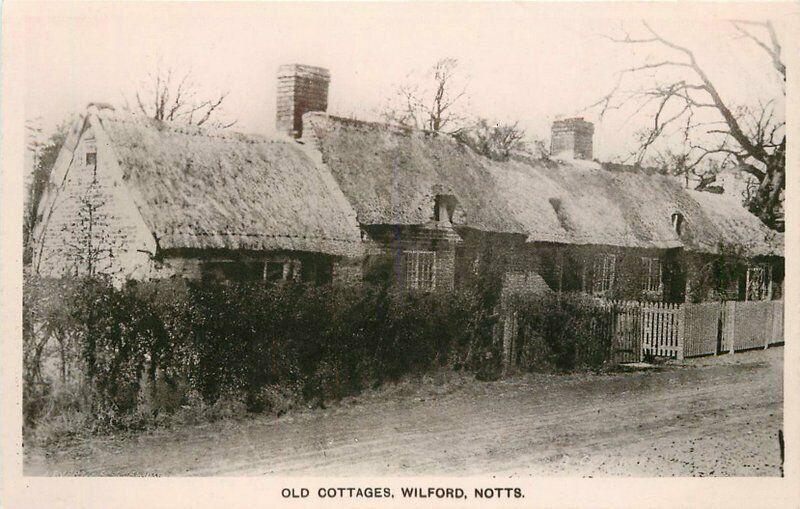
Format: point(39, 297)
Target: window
point(419, 270)
point(604, 271)
point(91, 158)
point(233, 270)
point(275, 271)
point(758, 282)
point(251, 270)
point(652, 274)
point(677, 222)
point(443, 207)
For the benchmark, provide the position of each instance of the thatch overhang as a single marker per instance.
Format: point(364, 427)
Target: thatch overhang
point(391, 175)
point(205, 189)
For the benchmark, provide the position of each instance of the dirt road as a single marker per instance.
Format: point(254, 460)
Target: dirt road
point(714, 416)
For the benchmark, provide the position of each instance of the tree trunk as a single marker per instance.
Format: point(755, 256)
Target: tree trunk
point(767, 202)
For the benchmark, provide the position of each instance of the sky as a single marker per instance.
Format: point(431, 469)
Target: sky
point(523, 62)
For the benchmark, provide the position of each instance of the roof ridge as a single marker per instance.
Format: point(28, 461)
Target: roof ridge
point(187, 129)
point(266, 235)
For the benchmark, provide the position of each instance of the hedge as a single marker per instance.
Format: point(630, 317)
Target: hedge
point(165, 342)
point(123, 357)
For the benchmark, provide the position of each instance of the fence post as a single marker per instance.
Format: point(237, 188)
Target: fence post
point(730, 318)
point(771, 327)
point(506, 338)
point(681, 314)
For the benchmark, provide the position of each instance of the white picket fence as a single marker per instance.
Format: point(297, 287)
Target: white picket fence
point(646, 330)
point(690, 330)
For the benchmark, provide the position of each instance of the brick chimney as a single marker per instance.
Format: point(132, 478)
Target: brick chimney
point(301, 88)
point(572, 138)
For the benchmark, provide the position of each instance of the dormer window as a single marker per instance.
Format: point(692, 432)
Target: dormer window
point(677, 222)
point(444, 207)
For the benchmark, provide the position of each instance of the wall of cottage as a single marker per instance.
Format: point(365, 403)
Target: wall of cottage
point(634, 275)
point(226, 264)
point(539, 267)
point(711, 277)
point(494, 255)
point(348, 271)
point(388, 247)
point(92, 222)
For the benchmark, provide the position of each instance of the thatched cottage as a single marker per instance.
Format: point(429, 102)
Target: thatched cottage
point(139, 198)
point(336, 199)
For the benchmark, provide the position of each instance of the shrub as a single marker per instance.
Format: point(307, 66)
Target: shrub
point(151, 349)
point(562, 333)
point(207, 350)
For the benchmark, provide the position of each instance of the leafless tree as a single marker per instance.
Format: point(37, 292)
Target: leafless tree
point(173, 96)
point(494, 140)
point(92, 243)
point(432, 102)
point(42, 152)
point(684, 101)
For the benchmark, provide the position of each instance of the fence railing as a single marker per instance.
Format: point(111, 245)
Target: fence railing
point(702, 329)
point(751, 324)
point(642, 330)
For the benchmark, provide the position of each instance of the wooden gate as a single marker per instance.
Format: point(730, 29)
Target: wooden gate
point(701, 334)
point(627, 333)
point(662, 334)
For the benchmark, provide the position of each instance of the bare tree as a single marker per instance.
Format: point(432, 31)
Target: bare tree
point(42, 153)
point(92, 243)
point(494, 140)
point(684, 101)
point(431, 103)
point(700, 177)
point(173, 96)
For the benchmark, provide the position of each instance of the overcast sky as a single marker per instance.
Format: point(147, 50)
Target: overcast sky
point(526, 62)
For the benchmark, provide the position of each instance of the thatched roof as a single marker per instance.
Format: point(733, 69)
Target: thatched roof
point(200, 188)
point(391, 176)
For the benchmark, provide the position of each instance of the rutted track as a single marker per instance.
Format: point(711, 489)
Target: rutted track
point(716, 416)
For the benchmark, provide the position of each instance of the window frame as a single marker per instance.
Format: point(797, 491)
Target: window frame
point(647, 284)
point(603, 279)
point(419, 267)
point(764, 287)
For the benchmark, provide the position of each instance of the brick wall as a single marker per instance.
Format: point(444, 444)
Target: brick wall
point(525, 283)
point(561, 267)
point(571, 268)
point(387, 247)
point(301, 89)
point(572, 136)
point(347, 271)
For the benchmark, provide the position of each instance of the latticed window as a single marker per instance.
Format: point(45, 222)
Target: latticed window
point(652, 274)
point(758, 280)
point(419, 270)
point(603, 275)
